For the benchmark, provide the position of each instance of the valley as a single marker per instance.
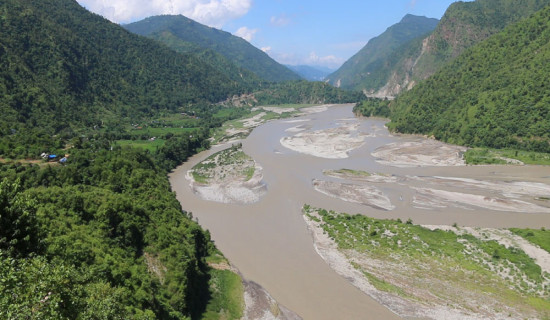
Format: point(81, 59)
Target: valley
point(169, 169)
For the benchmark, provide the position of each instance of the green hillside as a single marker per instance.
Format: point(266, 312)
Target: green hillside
point(211, 58)
point(63, 69)
point(494, 94)
point(186, 35)
point(463, 25)
point(101, 235)
point(362, 70)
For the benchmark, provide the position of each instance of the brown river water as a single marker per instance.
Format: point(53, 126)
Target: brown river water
point(269, 243)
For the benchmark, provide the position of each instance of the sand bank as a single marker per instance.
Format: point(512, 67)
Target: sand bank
point(334, 143)
point(425, 152)
point(442, 198)
point(361, 176)
point(363, 194)
point(278, 110)
point(342, 262)
point(228, 176)
point(417, 289)
point(260, 305)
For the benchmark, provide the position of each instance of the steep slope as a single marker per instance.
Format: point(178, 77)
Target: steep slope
point(494, 94)
point(195, 37)
point(361, 71)
point(463, 25)
point(63, 68)
point(211, 58)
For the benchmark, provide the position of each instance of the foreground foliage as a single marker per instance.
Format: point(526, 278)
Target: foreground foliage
point(102, 236)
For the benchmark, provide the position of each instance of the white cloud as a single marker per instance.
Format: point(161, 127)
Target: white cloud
point(412, 4)
point(214, 13)
point(328, 61)
point(245, 33)
point(280, 21)
point(266, 49)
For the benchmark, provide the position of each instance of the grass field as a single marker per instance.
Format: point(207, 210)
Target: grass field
point(499, 156)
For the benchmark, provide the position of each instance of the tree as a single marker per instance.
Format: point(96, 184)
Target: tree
point(19, 232)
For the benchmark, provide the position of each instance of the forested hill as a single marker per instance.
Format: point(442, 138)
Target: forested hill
point(186, 35)
point(63, 68)
point(362, 71)
point(495, 94)
point(99, 234)
point(463, 25)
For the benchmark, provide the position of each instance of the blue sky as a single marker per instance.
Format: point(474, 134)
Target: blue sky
point(323, 33)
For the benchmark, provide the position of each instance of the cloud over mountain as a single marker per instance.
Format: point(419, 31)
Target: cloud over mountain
point(214, 13)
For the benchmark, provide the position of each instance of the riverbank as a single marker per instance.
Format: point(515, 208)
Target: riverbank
point(233, 297)
point(454, 273)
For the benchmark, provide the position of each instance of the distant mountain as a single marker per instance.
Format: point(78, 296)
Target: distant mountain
point(463, 25)
point(494, 94)
point(185, 35)
point(312, 73)
point(361, 72)
point(64, 68)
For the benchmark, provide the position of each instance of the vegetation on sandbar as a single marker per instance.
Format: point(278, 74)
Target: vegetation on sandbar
point(415, 262)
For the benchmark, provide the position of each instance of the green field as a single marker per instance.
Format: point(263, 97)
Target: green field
point(498, 156)
point(142, 144)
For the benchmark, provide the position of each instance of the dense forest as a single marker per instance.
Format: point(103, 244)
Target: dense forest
point(101, 237)
point(465, 24)
point(495, 94)
point(63, 69)
point(305, 92)
point(185, 35)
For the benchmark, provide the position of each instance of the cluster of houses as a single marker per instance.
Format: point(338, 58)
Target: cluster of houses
point(53, 157)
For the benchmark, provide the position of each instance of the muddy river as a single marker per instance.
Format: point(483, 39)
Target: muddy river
point(269, 243)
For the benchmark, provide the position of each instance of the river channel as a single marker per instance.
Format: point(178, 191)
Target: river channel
point(269, 242)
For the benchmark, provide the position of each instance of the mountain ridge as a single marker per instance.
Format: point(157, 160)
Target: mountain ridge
point(195, 37)
point(463, 25)
point(93, 70)
point(494, 94)
point(360, 72)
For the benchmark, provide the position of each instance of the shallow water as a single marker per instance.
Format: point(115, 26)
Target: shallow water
point(269, 243)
